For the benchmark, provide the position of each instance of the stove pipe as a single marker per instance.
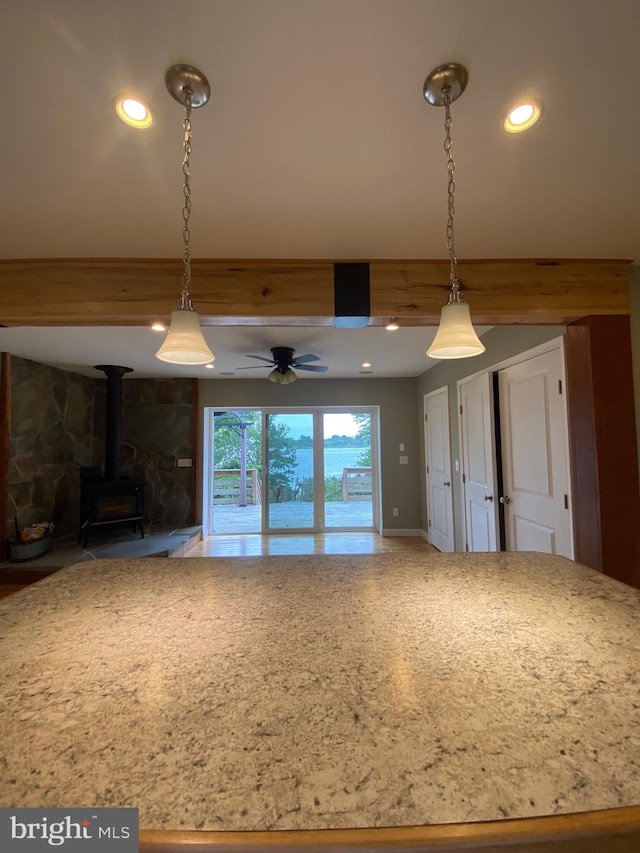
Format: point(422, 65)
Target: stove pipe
point(113, 420)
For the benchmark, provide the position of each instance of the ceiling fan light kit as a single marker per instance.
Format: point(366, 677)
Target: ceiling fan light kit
point(185, 343)
point(281, 378)
point(456, 337)
point(282, 360)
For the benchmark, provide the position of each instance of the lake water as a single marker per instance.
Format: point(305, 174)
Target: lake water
point(335, 459)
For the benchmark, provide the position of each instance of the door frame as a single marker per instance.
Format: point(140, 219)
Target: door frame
point(317, 412)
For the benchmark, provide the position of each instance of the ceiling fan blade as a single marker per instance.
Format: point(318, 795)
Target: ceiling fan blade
point(317, 368)
point(254, 367)
point(302, 359)
point(261, 358)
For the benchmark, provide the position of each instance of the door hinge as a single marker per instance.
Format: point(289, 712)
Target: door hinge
point(426, 418)
point(429, 522)
point(427, 469)
point(464, 478)
point(559, 386)
point(460, 408)
point(466, 546)
point(566, 501)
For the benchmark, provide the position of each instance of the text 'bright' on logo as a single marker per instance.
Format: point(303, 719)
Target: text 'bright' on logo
point(33, 830)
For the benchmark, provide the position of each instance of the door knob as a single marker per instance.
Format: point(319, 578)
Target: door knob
point(488, 497)
point(505, 500)
point(446, 484)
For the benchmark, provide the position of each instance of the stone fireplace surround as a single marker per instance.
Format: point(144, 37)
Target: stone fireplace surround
point(57, 427)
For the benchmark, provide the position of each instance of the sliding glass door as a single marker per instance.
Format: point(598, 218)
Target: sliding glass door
point(269, 471)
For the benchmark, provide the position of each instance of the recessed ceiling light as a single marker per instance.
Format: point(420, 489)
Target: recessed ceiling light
point(209, 366)
point(366, 364)
point(133, 112)
point(522, 116)
point(159, 327)
point(392, 326)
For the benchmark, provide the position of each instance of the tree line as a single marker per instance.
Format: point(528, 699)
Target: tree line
point(282, 448)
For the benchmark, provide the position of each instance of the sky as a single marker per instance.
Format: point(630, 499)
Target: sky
point(334, 424)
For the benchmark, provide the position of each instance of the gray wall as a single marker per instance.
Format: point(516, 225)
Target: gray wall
point(398, 424)
point(502, 342)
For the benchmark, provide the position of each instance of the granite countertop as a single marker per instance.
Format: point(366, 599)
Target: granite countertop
point(322, 692)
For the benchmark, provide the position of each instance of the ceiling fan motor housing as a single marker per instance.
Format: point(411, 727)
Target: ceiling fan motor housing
point(283, 357)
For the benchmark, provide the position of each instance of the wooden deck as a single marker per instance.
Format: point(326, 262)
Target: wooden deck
point(291, 515)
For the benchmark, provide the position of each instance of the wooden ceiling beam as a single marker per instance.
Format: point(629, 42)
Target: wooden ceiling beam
point(135, 292)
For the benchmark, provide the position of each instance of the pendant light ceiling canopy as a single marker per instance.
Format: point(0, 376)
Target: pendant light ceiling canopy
point(185, 343)
point(456, 337)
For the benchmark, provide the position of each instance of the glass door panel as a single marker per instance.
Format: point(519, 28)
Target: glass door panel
point(289, 472)
point(235, 475)
point(348, 480)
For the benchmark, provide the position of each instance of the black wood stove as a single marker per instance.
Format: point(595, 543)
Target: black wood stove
point(110, 499)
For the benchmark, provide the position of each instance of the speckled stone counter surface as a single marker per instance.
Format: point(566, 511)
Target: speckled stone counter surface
point(317, 692)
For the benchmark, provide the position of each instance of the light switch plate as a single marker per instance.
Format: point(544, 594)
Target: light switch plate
point(184, 463)
point(404, 460)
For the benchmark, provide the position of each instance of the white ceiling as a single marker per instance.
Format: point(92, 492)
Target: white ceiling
point(343, 351)
point(317, 143)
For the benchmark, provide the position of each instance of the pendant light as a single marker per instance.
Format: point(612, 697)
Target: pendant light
point(185, 343)
point(456, 337)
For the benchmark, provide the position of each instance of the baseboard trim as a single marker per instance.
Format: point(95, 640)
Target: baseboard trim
point(397, 531)
point(425, 536)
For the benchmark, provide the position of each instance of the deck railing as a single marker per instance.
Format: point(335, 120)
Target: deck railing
point(356, 484)
point(226, 487)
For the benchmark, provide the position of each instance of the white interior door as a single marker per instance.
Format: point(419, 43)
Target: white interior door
point(478, 452)
point(438, 456)
point(534, 454)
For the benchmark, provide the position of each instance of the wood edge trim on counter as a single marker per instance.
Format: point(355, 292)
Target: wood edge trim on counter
point(139, 291)
point(567, 833)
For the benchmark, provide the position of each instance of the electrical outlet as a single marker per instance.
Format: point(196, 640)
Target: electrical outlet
point(395, 512)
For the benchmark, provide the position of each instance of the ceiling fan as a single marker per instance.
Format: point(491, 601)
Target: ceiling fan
point(282, 363)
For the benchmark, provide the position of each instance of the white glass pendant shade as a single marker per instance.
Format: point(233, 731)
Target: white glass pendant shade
point(185, 343)
point(456, 337)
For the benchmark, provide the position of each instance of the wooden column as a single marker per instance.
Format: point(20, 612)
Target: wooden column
point(604, 456)
point(195, 451)
point(5, 438)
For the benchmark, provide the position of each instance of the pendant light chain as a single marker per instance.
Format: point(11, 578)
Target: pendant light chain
point(455, 337)
point(185, 343)
point(455, 295)
point(185, 299)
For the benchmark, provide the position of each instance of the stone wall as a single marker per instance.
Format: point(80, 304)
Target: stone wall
point(51, 438)
point(57, 426)
point(157, 428)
